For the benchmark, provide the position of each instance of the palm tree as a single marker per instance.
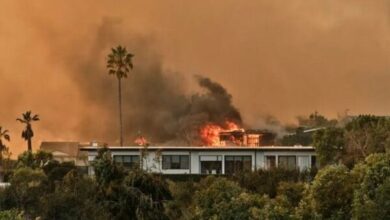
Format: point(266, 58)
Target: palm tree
point(119, 64)
point(3, 136)
point(28, 133)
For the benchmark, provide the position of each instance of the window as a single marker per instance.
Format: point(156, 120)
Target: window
point(211, 167)
point(129, 161)
point(313, 162)
point(210, 164)
point(303, 162)
point(175, 162)
point(287, 162)
point(236, 164)
point(270, 162)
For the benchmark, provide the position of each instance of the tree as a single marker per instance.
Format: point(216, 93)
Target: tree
point(180, 207)
point(119, 64)
point(267, 181)
point(74, 198)
point(362, 136)
point(140, 196)
point(372, 196)
point(329, 145)
point(3, 136)
point(106, 171)
point(128, 194)
point(331, 193)
point(315, 120)
point(27, 188)
point(219, 198)
point(303, 133)
point(34, 160)
point(298, 138)
point(12, 214)
point(292, 193)
point(365, 135)
point(56, 171)
point(28, 133)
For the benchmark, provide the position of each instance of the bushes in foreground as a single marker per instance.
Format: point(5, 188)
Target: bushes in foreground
point(335, 193)
point(59, 191)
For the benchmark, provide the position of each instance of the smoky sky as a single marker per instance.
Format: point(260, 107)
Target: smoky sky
point(273, 57)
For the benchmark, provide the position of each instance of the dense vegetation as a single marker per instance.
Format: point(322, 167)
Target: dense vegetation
point(352, 182)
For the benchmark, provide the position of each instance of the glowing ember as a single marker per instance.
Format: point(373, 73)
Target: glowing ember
point(231, 126)
point(209, 133)
point(141, 141)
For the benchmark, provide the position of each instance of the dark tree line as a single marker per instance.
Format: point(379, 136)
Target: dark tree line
point(45, 188)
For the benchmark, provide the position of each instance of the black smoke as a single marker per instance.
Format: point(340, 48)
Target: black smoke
point(156, 102)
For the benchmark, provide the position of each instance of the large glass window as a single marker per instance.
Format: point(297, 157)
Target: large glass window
point(175, 162)
point(211, 164)
point(129, 161)
point(303, 162)
point(270, 162)
point(211, 167)
point(287, 162)
point(236, 164)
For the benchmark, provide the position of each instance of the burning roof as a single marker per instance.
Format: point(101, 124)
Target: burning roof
point(232, 135)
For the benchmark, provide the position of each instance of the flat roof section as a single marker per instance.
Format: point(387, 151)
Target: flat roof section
point(199, 148)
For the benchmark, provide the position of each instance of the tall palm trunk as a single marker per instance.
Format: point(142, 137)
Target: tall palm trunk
point(120, 111)
point(29, 145)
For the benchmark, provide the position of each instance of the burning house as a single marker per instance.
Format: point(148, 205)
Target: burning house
point(250, 138)
point(224, 151)
point(231, 134)
point(208, 160)
point(200, 134)
point(229, 151)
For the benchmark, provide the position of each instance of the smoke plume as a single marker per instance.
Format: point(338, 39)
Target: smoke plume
point(155, 102)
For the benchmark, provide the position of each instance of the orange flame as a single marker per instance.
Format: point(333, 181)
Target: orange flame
point(141, 141)
point(209, 133)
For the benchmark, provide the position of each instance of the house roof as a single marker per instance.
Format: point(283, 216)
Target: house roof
point(66, 147)
point(200, 148)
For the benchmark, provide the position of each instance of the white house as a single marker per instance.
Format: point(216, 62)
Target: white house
point(208, 160)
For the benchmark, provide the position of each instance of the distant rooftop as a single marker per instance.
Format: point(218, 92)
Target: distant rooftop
point(70, 148)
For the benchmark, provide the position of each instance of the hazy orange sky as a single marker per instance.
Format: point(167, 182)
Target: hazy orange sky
point(284, 58)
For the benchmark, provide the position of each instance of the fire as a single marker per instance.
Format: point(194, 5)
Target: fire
point(141, 141)
point(209, 133)
point(231, 126)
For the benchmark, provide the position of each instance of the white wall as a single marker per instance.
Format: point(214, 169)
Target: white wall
point(153, 162)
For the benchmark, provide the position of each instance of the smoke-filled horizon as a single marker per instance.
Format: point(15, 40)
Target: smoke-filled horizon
point(276, 58)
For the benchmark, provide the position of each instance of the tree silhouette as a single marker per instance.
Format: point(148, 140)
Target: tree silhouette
point(28, 133)
point(119, 64)
point(3, 136)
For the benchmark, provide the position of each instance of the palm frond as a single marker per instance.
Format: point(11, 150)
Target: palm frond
point(21, 120)
point(27, 116)
point(35, 118)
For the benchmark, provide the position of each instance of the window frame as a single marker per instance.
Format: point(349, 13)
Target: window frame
point(287, 165)
point(270, 164)
point(134, 163)
point(237, 163)
point(180, 165)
